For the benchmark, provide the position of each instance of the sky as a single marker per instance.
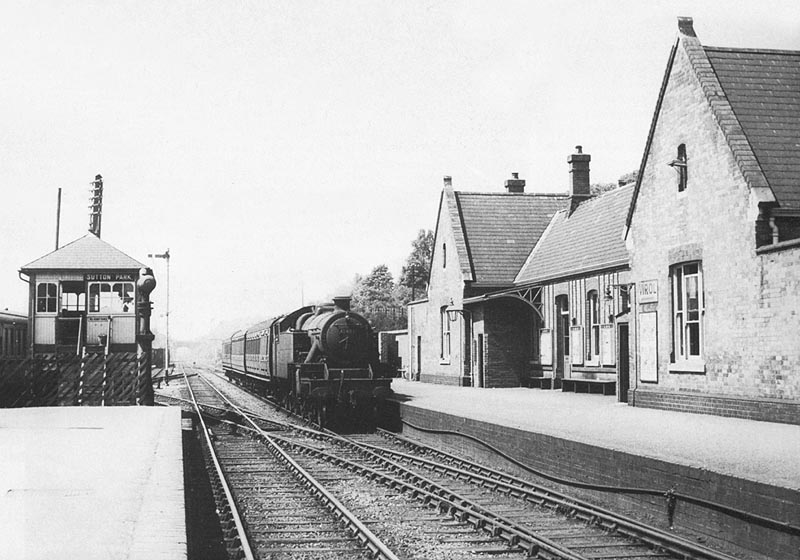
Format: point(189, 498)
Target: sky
point(280, 148)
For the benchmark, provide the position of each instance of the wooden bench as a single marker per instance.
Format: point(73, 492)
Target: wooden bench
point(540, 382)
point(606, 387)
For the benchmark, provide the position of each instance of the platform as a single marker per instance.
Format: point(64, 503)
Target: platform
point(92, 483)
point(591, 438)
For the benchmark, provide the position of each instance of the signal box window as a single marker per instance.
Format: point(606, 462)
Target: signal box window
point(46, 297)
point(106, 297)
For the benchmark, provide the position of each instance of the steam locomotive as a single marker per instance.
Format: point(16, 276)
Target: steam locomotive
point(320, 361)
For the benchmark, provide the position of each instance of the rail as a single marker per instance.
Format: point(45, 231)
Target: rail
point(237, 518)
point(670, 495)
point(469, 470)
point(367, 537)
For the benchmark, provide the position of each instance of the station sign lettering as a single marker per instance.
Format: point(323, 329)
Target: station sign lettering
point(647, 291)
point(110, 277)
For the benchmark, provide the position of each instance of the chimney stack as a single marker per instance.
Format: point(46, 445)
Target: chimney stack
point(515, 184)
point(448, 181)
point(578, 178)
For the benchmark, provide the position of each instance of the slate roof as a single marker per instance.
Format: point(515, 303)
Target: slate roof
point(591, 239)
point(754, 94)
point(501, 228)
point(85, 253)
point(763, 89)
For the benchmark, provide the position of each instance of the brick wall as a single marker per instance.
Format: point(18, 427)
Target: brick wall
point(446, 288)
point(752, 311)
point(591, 464)
point(767, 410)
point(508, 325)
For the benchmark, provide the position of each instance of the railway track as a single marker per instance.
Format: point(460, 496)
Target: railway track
point(268, 505)
point(490, 512)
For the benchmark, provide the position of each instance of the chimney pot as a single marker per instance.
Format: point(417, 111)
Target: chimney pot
point(686, 26)
point(578, 149)
point(448, 181)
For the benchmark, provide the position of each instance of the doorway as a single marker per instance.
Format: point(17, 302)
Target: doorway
point(71, 322)
point(623, 375)
point(562, 340)
point(419, 359)
point(479, 361)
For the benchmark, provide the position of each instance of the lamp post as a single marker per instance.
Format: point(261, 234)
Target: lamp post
point(165, 256)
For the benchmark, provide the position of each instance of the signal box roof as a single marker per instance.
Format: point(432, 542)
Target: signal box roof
point(86, 253)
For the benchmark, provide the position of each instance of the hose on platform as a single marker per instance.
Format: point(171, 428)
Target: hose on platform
point(671, 495)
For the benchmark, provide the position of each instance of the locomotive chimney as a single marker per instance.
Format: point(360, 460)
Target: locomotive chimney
point(342, 302)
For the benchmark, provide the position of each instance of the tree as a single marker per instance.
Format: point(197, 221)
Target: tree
point(414, 275)
point(374, 297)
point(599, 188)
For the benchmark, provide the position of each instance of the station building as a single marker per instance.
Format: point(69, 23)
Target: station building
point(580, 272)
point(681, 291)
point(480, 242)
point(714, 235)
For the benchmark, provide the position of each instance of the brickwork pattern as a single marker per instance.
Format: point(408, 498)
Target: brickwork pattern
point(587, 463)
point(766, 410)
point(752, 315)
point(446, 288)
point(508, 348)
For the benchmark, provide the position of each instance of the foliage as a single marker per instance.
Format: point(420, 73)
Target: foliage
point(599, 188)
point(414, 276)
point(374, 297)
point(381, 300)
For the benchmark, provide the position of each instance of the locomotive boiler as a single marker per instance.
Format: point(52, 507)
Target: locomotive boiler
point(320, 361)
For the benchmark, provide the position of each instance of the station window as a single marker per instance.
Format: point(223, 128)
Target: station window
point(46, 297)
point(593, 325)
point(687, 311)
point(682, 168)
point(107, 297)
point(445, 331)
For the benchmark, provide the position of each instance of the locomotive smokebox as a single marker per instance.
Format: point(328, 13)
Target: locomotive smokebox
point(342, 302)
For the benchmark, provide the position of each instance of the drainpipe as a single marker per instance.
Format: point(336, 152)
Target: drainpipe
point(774, 227)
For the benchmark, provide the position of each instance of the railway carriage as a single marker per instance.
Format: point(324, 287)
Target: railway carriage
point(13, 335)
point(321, 361)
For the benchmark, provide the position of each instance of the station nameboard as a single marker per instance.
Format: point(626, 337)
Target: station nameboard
point(647, 291)
point(110, 277)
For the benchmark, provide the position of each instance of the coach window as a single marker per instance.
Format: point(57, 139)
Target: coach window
point(445, 331)
point(687, 312)
point(107, 297)
point(46, 297)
